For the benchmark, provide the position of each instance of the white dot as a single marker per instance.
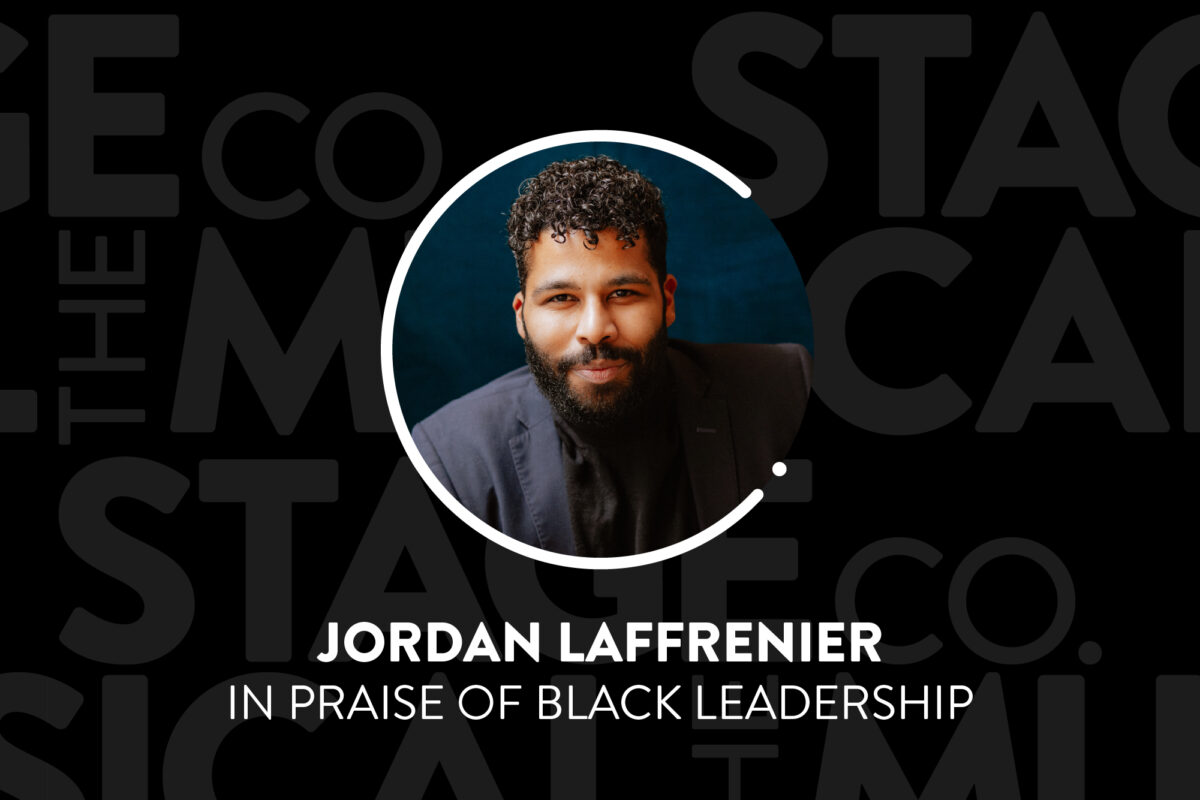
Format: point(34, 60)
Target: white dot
point(779, 468)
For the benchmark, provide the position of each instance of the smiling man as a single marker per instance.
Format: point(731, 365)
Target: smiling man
point(614, 439)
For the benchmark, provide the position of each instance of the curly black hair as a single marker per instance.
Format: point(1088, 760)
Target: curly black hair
point(589, 195)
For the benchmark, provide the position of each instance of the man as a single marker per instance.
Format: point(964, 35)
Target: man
point(614, 439)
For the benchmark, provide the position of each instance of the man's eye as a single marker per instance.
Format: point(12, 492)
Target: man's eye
point(560, 298)
point(624, 293)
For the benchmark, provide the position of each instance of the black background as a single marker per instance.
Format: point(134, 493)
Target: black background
point(1113, 506)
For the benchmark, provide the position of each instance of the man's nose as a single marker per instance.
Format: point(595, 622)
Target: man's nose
point(596, 323)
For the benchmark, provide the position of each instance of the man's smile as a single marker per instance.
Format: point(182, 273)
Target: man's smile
point(601, 371)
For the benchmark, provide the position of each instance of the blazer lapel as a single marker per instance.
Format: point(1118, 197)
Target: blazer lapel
point(707, 443)
point(537, 456)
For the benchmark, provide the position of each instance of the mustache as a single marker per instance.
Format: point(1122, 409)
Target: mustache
point(594, 352)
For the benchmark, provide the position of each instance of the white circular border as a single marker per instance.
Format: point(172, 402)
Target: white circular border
point(389, 377)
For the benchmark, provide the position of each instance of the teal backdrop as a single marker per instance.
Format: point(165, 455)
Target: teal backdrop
point(454, 321)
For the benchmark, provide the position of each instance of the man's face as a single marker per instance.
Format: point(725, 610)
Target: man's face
point(594, 323)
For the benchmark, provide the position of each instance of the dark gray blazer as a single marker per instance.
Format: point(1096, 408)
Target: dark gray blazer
point(497, 450)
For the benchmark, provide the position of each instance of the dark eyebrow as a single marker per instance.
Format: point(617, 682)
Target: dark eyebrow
point(634, 278)
point(554, 286)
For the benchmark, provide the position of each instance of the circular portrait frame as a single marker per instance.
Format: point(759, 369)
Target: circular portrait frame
point(387, 353)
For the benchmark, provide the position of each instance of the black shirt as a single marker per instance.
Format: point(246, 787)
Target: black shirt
point(628, 489)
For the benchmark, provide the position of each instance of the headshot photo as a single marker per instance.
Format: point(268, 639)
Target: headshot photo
point(599, 349)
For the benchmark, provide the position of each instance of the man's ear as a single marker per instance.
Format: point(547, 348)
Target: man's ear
point(518, 303)
point(668, 289)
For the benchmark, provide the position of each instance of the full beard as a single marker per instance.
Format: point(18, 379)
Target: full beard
point(604, 406)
